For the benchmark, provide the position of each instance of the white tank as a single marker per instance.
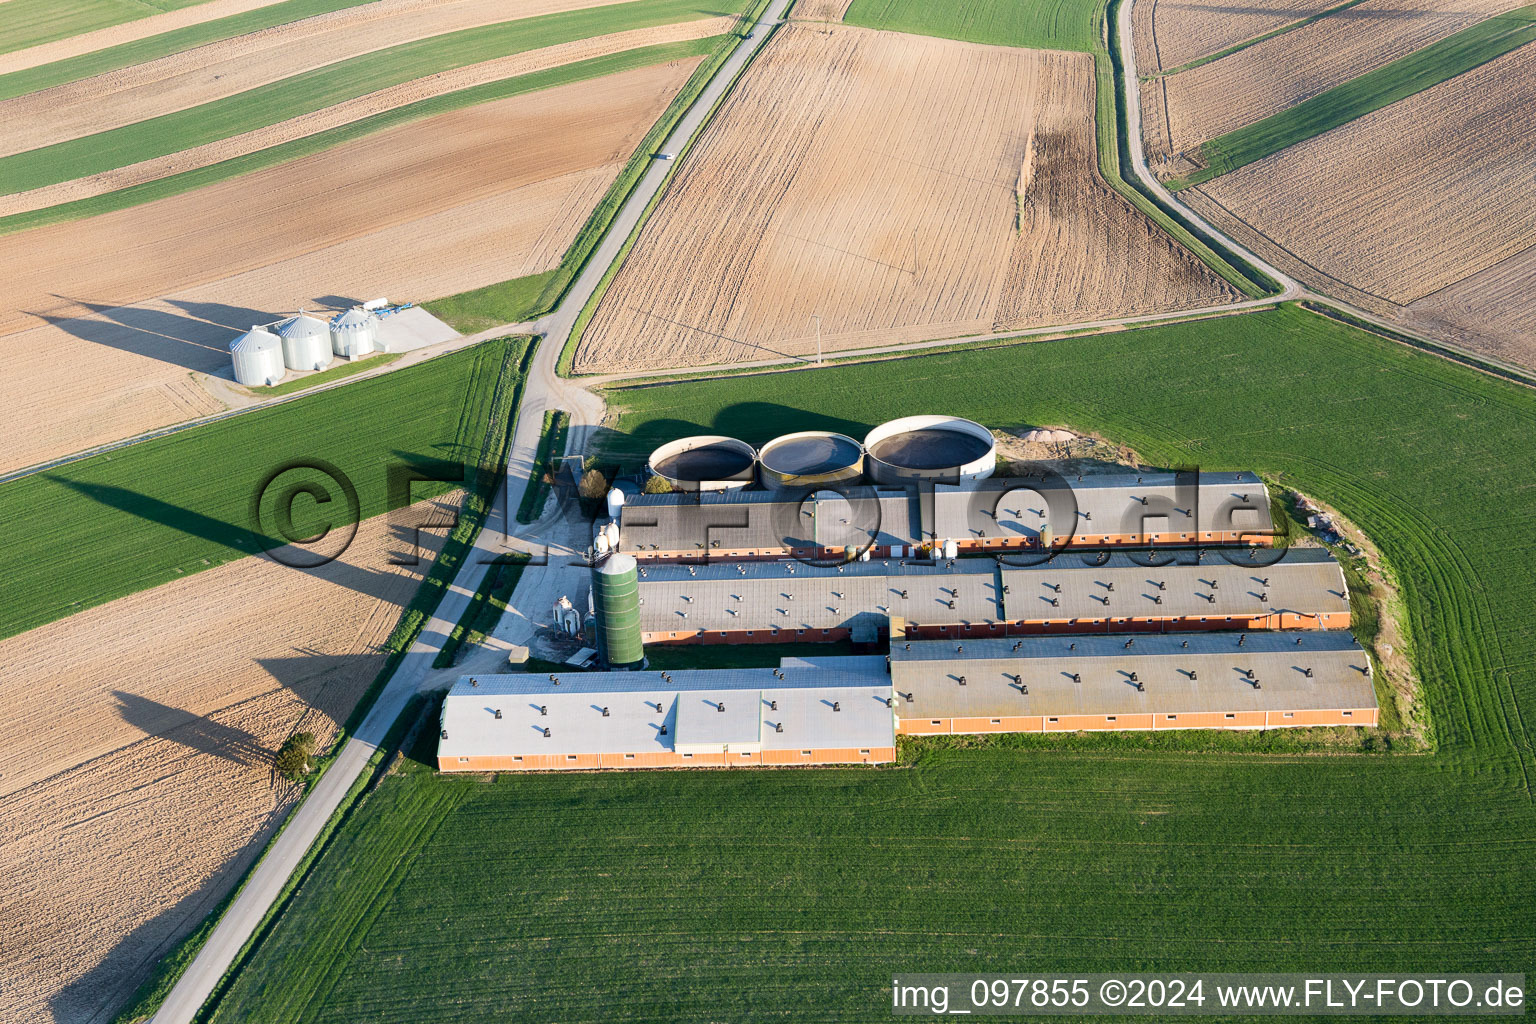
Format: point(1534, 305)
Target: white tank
point(615, 502)
point(306, 342)
point(600, 545)
point(951, 549)
point(258, 358)
point(353, 333)
point(611, 531)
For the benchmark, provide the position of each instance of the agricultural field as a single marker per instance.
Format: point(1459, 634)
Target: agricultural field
point(189, 78)
point(138, 793)
point(427, 208)
point(1406, 202)
point(1171, 34)
point(1271, 76)
point(880, 213)
point(1047, 24)
point(112, 525)
point(28, 23)
point(804, 891)
point(320, 88)
point(1493, 311)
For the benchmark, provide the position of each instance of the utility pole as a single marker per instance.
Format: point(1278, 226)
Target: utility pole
point(817, 318)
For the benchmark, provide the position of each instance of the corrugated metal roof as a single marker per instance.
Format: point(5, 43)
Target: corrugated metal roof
point(641, 705)
point(1098, 504)
point(715, 523)
point(1199, 672)
point(790, 595)
point(302, 326)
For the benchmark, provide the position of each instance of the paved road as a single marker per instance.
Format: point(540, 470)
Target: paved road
point(544, 390)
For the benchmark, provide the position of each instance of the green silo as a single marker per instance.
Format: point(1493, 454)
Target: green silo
point(616, 603)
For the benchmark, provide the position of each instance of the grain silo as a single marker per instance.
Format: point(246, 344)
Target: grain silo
point(810, 458)
point(940, 449)
point(258, 358)
point(354, 333)
point(306, 342)
point(707, 462)
point(616, 607)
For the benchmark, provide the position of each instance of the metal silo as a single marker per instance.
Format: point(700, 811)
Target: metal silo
point(353, 333)
point(616, 605)
point(258, 358)
point(306, 342)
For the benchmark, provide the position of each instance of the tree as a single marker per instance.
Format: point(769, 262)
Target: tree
point(293, 759)
point(593, 486)
point(656, 484)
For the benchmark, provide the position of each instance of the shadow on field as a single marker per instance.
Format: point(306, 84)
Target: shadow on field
point(234, 318)
point(201, 734)
point(183, 341)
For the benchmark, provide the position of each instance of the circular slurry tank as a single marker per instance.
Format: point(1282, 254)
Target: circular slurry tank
point(708, 462)
point(942, 449)
point(810, 458)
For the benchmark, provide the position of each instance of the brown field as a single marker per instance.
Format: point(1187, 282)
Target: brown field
point(1431, 199)
point(1492, 312)
point(136, 771)
point(228, 66)
point(1279, 73)
point(913, 188)
point(820, 10)
point(357, 109)
point(143, 28)
point(1179, 31)
point(422, 210)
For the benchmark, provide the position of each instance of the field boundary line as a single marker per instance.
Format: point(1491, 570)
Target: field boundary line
point(1212, 58)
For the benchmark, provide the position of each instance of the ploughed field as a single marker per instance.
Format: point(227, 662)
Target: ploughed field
point(1424, 209)
point(424, 209)
point(898, 188)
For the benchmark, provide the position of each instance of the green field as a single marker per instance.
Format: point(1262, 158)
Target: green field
point(97, 62)
point(1402, 78)
point(325, 86)
point(25, 23)
point(735, 895)
point(334, 372)
point(1045, 24)
point(121, 522)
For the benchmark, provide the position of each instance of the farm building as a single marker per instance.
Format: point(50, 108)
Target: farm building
point(992, 515)
point(821, 713)
point(772, 602)
point(1095, 683)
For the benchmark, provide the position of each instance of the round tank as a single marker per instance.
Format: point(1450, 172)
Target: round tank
point(616, 607)
point(941, 449)
point(810, 458)
point(615, 502)
point(353, 333)
point(306, 342)
point(704, 463)
point(258, 358)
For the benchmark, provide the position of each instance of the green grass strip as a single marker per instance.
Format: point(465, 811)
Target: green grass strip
point(327, 86)
point(27, 23)
point(1212, 58)
point(1423, 69)
point(337, 371)
point(176, 184)
point(484, 610)
point(506, 302)
point(551, 447)
point(140, 51)
point(1043, 24)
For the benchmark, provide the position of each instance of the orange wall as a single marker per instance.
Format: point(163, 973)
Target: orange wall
point(664, 759)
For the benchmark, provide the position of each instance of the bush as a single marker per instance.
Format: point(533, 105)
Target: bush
point(657, 485)
point(593, 486)
point(293, 761)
